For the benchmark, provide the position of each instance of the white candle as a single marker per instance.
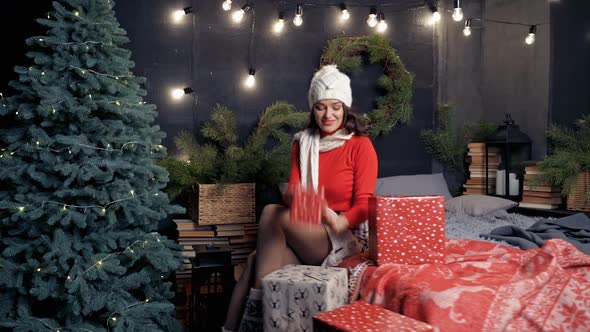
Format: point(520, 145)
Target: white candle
point(500, 182)
point(514, 186)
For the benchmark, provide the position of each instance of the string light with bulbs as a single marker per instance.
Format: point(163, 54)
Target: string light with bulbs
point(86, 70)
point(280, 23)
point(375, 19)
point(179, 14)
point(250, 80)
point(467, 28)
point(109, 148)
point(178, 93)
point(345, 14)
point(24, 208)
point(238, 15)
point(226, 5)
point(457, 11)
point(99, 262)
point(372, 19)
point(298, 19)
point(528, 40)
point(54, 105)
point(112, 318)
point(381, 24)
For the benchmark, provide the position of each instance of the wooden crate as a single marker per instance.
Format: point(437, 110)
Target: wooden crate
point(212, 204)
point(578, 198)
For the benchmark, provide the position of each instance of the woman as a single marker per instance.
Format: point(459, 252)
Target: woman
point(335, 154)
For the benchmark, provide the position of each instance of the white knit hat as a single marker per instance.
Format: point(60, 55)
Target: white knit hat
point(330, 83)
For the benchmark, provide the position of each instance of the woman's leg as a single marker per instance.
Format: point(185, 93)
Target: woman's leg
point(242, 287)
point(236, 304)
point(309, 243)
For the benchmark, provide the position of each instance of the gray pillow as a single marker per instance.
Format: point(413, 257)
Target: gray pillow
point(419, 184)
point(478, 205)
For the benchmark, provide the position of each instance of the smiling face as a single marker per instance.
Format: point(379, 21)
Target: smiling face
point(328, 114)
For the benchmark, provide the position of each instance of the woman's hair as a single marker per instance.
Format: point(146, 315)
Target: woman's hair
point(352, 122)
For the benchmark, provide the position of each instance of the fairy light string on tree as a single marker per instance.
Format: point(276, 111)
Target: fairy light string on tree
point(81, 190)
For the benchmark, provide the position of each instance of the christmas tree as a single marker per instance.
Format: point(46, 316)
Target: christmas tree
point(80, 191)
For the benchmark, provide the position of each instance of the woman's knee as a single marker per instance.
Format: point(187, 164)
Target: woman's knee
point(272, 216)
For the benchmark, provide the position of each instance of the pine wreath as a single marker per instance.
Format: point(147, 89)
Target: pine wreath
point(394, 107)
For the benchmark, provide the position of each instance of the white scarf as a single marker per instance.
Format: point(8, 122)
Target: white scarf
point(310, 146)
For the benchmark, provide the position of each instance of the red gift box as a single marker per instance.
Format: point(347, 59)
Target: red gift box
point(362, 316)
point(407, 230)
point(306, 206)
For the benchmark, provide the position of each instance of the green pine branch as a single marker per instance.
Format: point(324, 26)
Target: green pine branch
point(264, 157)
point(569, 156)
point(448, 144)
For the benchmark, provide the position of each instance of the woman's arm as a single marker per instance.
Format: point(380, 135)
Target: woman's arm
point(365, 179)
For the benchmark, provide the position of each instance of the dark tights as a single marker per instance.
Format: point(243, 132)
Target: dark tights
point(279, 243)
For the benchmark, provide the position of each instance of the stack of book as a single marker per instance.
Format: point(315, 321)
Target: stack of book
point(240, 237)
point(476, 184)
point(189, 234)
point(538, 196)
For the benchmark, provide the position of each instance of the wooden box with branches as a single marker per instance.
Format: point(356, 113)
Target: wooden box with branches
point(220, 175)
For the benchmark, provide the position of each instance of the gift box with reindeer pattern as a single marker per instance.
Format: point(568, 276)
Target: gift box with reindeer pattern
point(293, 294)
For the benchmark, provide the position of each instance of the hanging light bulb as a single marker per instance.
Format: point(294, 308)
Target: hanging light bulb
point(345, 13)
point(238, 15)
point(298, 20)
point(250, 81)
point(467, 29)
point(226, 5)
point(382, 25)
point(372, 19)
point(179, 93)
point(435, 15)
point(457, 12)
point(530, 38)
point(178, 15)
point(280, 24)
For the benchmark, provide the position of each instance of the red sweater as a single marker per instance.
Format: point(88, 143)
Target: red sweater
point(348, 175)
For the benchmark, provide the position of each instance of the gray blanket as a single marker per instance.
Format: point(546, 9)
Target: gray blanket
point(574, 229)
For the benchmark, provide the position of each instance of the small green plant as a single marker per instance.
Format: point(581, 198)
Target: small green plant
point(569, 155)
point(448, 143)
point(264, 158)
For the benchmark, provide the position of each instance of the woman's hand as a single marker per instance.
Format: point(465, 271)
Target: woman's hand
point(336, 223)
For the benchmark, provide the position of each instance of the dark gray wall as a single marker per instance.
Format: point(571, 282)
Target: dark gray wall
point(460, 64)
point(486, 75)
point(493, 71)
point(570, 64)
point(211, 55)
point(516, 75)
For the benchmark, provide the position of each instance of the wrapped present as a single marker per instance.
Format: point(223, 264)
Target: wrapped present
point(364, 317)
point(306, 206)
point(293, 294)
point(407, 230)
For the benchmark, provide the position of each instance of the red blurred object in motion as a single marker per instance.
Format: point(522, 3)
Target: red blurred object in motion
point(306, 206)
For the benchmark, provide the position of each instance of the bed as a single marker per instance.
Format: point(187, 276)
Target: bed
point(484, 284)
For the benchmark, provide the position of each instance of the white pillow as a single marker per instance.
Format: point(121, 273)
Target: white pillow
point(478, 205)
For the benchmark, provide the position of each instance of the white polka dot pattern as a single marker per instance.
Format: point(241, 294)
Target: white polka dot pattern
point(364, 317)
point(407, 230)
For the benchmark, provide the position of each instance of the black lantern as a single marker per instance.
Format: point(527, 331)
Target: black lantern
point(513, 147)
point(212, 285)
